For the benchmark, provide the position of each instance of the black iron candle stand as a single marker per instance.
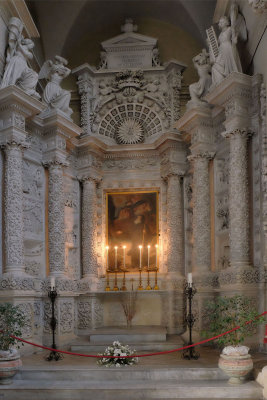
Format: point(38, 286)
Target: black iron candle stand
point(54, 355)
point(190, 353)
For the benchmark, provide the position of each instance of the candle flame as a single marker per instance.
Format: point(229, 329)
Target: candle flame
point(116, 247)
point(107, 247)
point(140, 247)
point(148, 246)
point(156, 246)
point(124, 247)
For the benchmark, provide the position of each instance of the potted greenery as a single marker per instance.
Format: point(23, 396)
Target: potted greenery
point(11, 322)
point(226, 313)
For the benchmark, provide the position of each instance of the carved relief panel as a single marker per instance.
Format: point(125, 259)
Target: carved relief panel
point(33, 217)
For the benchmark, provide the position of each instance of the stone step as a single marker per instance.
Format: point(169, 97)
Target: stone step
point(130, 390)
point(135, 334)
point(90, 348)
point(58, 373)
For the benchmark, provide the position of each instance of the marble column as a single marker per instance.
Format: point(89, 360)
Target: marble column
point(13, 209)
point(89, 226)
point(175, 224)
point(201, 211)
point(238, 197)
point(56, 240)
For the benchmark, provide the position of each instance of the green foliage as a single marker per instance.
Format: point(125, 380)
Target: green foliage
point(11, 322)
point(226, 313)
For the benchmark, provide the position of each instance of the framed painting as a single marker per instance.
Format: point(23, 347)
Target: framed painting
point(132, 221)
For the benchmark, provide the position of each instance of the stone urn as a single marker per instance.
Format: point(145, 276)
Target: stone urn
point(10, 363)
point(236, 363)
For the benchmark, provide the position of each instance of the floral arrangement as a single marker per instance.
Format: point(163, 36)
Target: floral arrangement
point(117, 350)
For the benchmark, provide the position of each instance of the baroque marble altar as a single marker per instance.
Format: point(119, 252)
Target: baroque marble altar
point(134, 135)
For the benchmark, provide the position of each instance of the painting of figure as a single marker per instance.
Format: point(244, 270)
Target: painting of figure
point(132, 221)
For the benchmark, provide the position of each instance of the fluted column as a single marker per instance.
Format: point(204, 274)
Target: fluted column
point(175, 224)
point(56, 235)
point(89, 226)
point(201, 211)
point(238, 197)
point(13, 208)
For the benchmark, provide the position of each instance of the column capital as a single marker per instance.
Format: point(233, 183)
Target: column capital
point(241, 132)
point(55, 161)
point(208, 155)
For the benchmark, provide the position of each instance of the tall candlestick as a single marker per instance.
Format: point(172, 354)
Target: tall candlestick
point(156, 272)
point(124, 248)
point(189, 279)
point(140, 257)
point(116, 257)
point(53, 283)
point(148, 278)
point(107, 271)
point(123, 281)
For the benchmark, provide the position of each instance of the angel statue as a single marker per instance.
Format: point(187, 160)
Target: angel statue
point(200, 88)
point(224, 54)
point(19, 51)
point(54, 96)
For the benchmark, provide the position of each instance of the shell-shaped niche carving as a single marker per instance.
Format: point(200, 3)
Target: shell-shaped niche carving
point(130, 131)
point(130, 123)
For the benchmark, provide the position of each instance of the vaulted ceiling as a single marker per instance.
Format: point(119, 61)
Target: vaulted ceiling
point(75, 28)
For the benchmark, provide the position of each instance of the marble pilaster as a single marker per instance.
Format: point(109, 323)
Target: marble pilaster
point(238, 197)
point(234, 94)
point(56, 234)
point(175, 224)
point(89, 226)
point(196, 124)
point(15, 107)
point(201, 213)
point(58, 131)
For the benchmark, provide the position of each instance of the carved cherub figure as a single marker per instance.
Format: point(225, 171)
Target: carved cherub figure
point(54, 96)
point(19, 51)
point(200, 88)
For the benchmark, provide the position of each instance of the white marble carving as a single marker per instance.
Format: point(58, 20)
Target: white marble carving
point(258, 6)
point(198, 89)
point(227, 59)
point(54, 96)
point(238, 197)
point(17, 72)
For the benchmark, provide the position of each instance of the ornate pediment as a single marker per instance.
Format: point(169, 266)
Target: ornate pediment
point(129, 50)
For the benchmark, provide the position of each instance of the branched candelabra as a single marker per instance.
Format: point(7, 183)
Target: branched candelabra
point(190, 353)
point(54, 355)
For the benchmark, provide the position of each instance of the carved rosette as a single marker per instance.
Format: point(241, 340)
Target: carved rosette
point(201, 210)
point(13, 203)
point(56, 219)
point(238, 197)
point(175, 225)
point(89, 227)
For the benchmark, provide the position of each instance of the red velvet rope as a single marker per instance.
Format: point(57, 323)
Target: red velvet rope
point(138, 355)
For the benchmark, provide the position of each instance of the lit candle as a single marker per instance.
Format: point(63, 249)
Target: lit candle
point(148, 250)
point(53, 282)
point(156, 256)
point(116, 256)
point(140, 257)
point(124, 248)
point(189, 279)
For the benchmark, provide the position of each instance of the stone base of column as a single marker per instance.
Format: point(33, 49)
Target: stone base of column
point(239, 275)
point(91, 280)
point(18, 270)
